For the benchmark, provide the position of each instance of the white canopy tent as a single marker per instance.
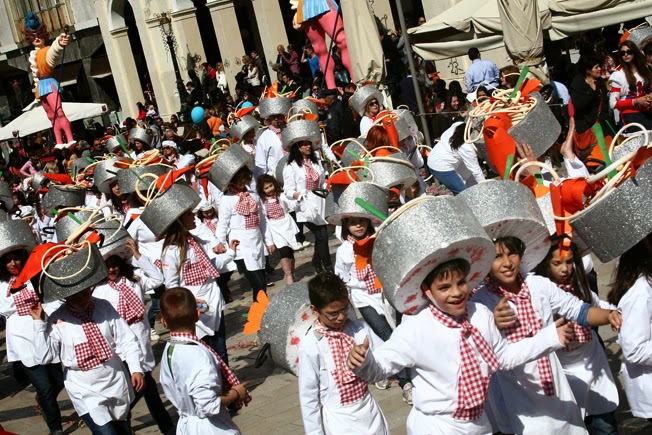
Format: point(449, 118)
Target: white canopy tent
point(35, 119)
point(476, 23)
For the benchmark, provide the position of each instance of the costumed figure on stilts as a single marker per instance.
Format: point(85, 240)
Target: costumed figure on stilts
point(42, 61)
point(318, 18)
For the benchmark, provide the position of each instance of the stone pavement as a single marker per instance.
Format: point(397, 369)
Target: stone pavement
point(275, 405)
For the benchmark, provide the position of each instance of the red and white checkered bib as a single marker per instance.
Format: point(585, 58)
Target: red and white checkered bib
point(24, 299)
point(274, 209)
point(312, 176)
point(247, 207)
point(581, 334)
point(201, 270)
point(130, 307)
point(95, 351)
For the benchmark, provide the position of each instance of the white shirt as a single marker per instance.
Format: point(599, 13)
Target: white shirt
point(345, 269)
point(420, 343)
point(365, 125)
point(269, 152)
point(294, 180)
point(635, 339)
point(443, 158)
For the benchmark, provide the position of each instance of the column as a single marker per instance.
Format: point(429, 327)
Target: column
point(271, 28)
point(123, 68)
point(191, 50)
point(159, 65)
point(228, 36)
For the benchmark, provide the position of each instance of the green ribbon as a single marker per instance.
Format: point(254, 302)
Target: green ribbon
point(371, 209)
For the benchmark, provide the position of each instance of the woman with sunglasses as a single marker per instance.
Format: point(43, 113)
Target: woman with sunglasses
point(630, 86)
point(367, 121)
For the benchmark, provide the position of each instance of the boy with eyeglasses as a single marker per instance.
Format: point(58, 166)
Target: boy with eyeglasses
point(333, 399)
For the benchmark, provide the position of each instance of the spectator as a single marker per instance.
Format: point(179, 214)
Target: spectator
point(630, 86)
point(253, 77)
point(263, 74)
point(220, 77)
point(509, 76)
point(214, 122)
point(334, 115)
point(289, 60)
point(98, 150)
point(142, 112)
point(311, 58)
point(480, 71)
point(194, 97)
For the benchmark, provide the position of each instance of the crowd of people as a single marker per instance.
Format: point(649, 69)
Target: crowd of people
point(503, 340)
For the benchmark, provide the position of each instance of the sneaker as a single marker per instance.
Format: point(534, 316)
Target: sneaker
point(382, 385)
point(154, 336)
point(306, 244)
point(407, 393)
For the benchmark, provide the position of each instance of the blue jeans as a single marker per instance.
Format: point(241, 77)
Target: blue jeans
point(450, 179)
point(48, 383)
point(602, 424)
point(218, 341)
point(122, 427)
point(378, 323)
point(153, 402)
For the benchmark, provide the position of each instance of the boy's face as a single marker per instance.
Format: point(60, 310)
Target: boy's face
point(450, 293)
point(504, 269)
point(80, 301)
point(332, 315)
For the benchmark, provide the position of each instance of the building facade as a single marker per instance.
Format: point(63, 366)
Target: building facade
point(119, 55)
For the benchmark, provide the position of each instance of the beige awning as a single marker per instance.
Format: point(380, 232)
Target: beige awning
point(365, 51)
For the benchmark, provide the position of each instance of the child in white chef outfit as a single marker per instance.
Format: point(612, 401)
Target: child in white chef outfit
point(193, 376)
point(333, 399)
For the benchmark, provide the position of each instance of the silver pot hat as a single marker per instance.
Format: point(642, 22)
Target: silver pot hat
point(113, 143)
point(78, 166)
point(128, 178)
point(640, 36)
point(286, 321)
point(114, 235)
point(274, 106)
point(342, 205)
point(402, 128)
point(63, 196)
point(509, 209)
point(300, 130)
point(637, 141)
point(6, 195)
point(140, 134)
point(539, 128)
point(393, 170)
point(621, 220)
point(104, 174)
point(87, 266)
point(168, 207)
point(407, 117)
point(354, 151)
point(38, 180)
point(301, 105)
point(15, 234)
point(403, 255)
point(228, 164)
point(280, 166)
point(363, 95)
point(242, 126)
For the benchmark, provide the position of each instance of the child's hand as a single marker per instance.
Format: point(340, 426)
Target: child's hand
point(504, 316)
point(202, 305)
point(138, 381)
point(616, 320)
point(219, 249)
point(271, 249)
point(36, 311)
point(234, 244)
point(357, 354)
point(241, 389)
point(564, 331)
point(133, 247)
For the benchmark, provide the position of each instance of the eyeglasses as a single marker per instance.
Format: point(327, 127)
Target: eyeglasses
point(625, 52)
point(333, 315)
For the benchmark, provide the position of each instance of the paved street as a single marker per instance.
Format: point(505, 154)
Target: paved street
point(275, 408)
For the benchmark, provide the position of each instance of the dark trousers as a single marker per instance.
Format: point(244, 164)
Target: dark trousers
point(286, 252)
point(154, 308)
point(218, 341)
point(378, 323)
point(122, 427)
point(223, 282)
point(322, 256)
point(48, 383)
point(153, 402)
point(299, 236)
point(256, 278)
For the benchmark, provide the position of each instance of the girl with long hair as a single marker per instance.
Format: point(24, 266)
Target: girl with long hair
point(630, 86)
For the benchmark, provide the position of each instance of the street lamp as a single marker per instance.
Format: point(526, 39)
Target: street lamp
point(165, 23)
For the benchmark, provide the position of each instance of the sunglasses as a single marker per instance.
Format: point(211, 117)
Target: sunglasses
point(625, 52)
point(373, 103)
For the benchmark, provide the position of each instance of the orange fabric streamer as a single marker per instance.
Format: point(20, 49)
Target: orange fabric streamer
point(256, 312)
point(59, 178)
point(500, 145)
point(388, 124)
point(343, 178)
point(362, 250)
point(164, 181)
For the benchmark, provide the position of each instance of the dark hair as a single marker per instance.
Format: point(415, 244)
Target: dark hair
point(20, 196)
point(511, 74)
point(444, 270)
point(243, 169)
point(647, 49)
point(512, 244)
point(345, 228)
point(178, 308)
point(634, 263)
point(326, 288)
point(296, 156)
point(264, 179)
point(20, 254)
point(579, 281)
point(457, 138)
point(455, 87)
point(641, 67)
point(126, 269)
point(473, 53)
point(586, 63)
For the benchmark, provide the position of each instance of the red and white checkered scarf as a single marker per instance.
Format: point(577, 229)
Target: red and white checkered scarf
point(351, 388)
point(211, 225)
point(201, 270)
point(23, 299)
point(274, 209)
point(366, 274)
point(247, 207)
point(228, 378)
point(581, 334)
point(130, 307)
point(312, 176)
point(527, 325)
point(95, 351)
point(277, 131)
point(472, 385)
